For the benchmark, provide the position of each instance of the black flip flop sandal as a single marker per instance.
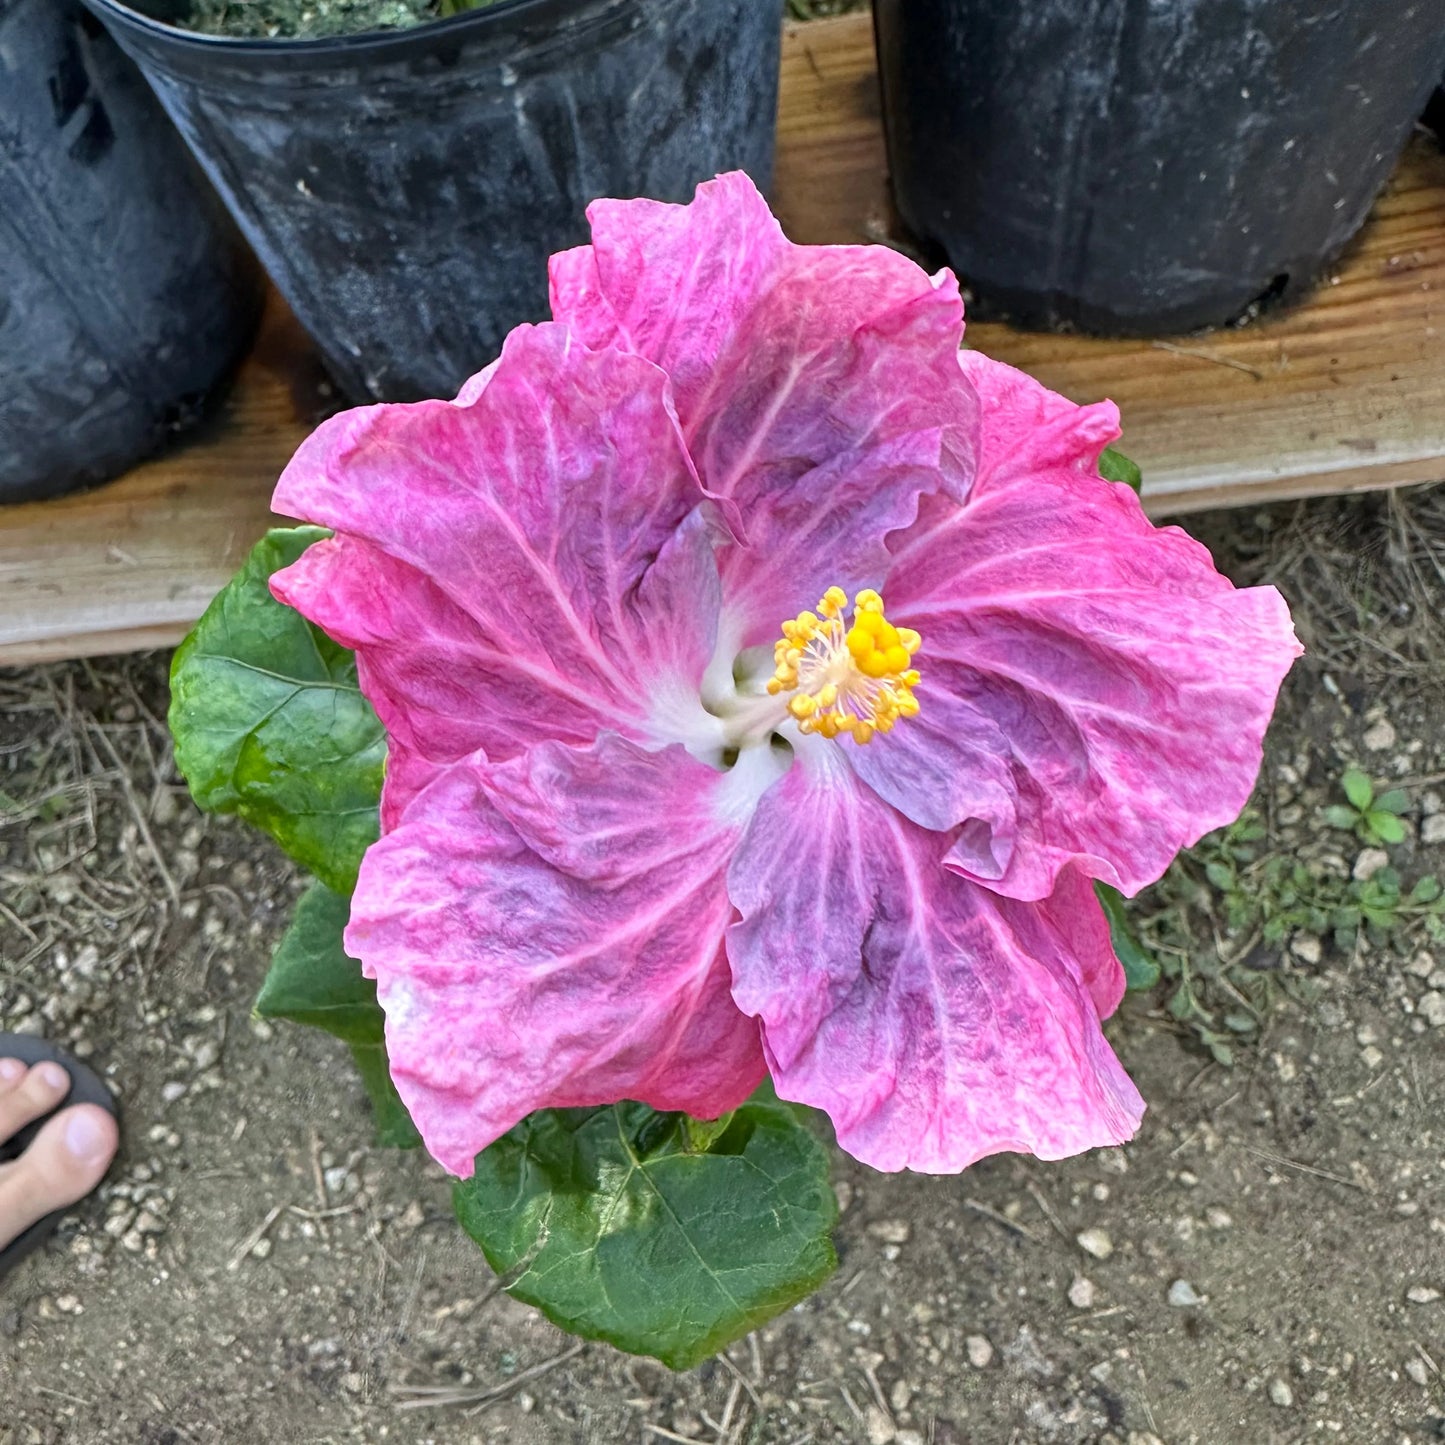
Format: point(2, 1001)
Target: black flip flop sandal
point(85, 1088)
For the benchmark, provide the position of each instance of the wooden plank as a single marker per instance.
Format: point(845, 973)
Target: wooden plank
point(133, 564)
point(1345, 393)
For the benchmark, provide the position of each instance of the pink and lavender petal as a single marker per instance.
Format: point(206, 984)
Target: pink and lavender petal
point(1026, 428)
point(933, 1021)
point(918, 767)
point(475, 385)
point(440, 685)
point(817, 386)
point(672, 283)
point(1133, 683)
point(444, 687)
point(528, 564)
point(547, 933)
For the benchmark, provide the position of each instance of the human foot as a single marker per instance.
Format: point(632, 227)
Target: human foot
point(63, 1161)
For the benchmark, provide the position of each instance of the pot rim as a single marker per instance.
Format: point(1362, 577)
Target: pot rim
point(397, 42)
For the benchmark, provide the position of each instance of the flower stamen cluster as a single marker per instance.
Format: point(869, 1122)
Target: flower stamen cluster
point(857, 680)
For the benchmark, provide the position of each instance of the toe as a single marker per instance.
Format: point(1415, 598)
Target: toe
point(64, 1162)
point(11, 1073)
point(33, 1094)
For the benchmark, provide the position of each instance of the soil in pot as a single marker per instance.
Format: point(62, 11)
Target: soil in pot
point(1147, 166)
point(315, 19)
point(405, 189)
point(126, 294)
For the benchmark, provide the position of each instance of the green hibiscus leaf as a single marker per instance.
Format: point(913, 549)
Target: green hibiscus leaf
point(313, 981)
point(1386, 827)
point(1114, 466)
point(1141, 968)
point(1337, 815)
point(619, 1228)
point(702, 1134)
point(269, 722)
point(394, 1129)
point(1397, 800)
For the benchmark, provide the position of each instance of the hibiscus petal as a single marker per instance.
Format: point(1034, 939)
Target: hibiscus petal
point(671, 283)
point(1132, 682)
point(917, 767)
point(817, 386)
point(1026, 428)
point(531, 564)
point(547, 933)
point(424, 664)
point(933, 1021)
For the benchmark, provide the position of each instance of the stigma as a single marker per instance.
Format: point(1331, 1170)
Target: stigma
point(856, 679)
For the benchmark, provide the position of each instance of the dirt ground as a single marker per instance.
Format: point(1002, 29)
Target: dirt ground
point(1265, 1263)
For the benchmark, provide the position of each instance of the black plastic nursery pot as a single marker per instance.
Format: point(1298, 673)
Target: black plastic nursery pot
point(125, 291)
point(405, 188)
point(1146, 166)
point(1434, 116)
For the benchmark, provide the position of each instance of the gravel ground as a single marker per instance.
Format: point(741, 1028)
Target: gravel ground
point(1266, 1262)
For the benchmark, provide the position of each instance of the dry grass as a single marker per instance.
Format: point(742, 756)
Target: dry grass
point(1364, 575)
point(85, 772)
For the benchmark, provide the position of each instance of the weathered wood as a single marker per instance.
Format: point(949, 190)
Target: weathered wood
point(1345, 393)
point(134, 563)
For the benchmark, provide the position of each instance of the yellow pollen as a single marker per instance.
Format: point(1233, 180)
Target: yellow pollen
point(857, 680)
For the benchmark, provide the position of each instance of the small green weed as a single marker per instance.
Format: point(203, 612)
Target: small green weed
point(1370, 818)
point(1219, 921)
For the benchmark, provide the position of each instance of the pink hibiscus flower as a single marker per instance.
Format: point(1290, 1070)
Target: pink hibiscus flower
point(765, 683)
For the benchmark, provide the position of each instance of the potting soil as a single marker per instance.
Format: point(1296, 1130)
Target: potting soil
point(314, 19)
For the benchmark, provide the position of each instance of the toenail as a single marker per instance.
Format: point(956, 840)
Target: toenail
point(10, 1070)
point(86, 1136)
point(52, 1077)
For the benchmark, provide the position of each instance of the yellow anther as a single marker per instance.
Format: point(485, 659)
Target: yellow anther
point(846, 679)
